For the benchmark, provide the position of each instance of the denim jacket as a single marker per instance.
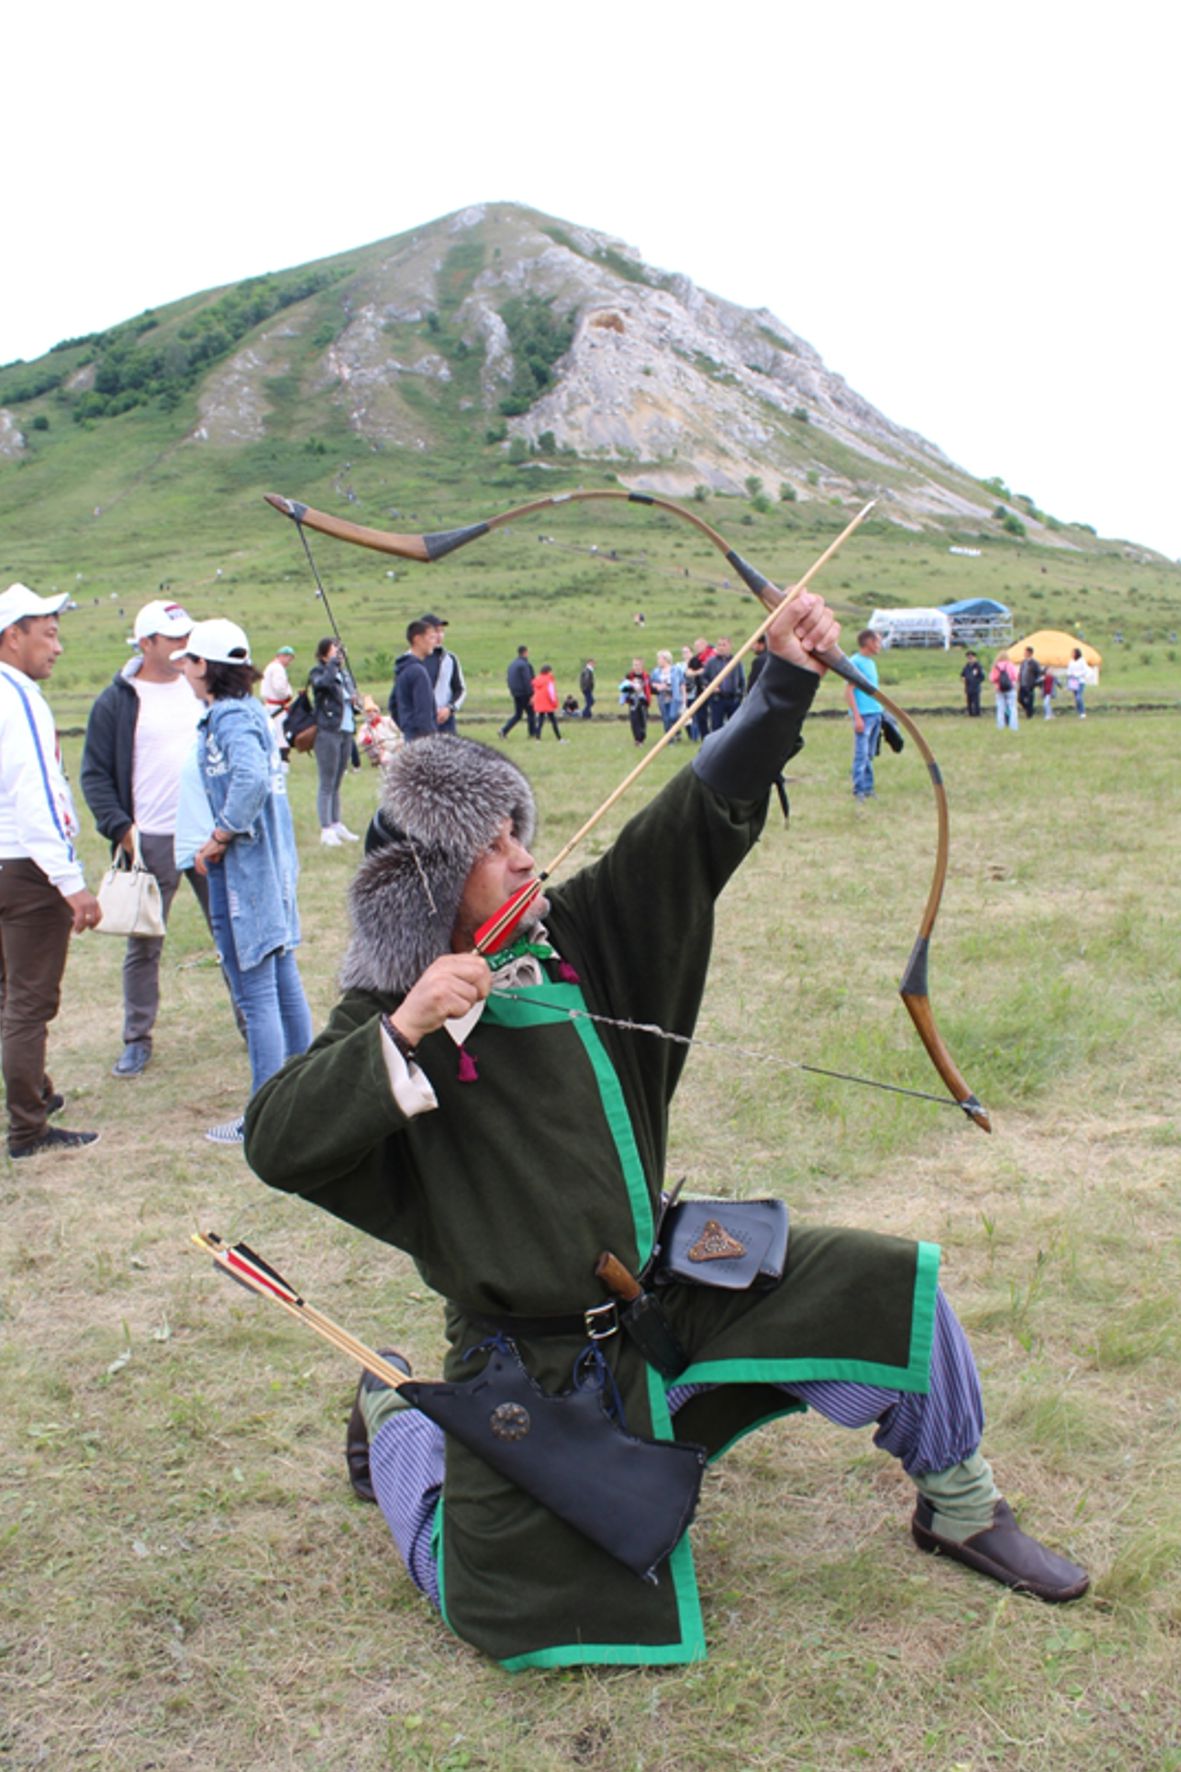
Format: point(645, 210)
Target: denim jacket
point(247, 791)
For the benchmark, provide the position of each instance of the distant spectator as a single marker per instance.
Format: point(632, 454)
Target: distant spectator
point(412, 702)
point(336, 724)
point(635, 694)
point(698, 658)
point(1048, 693)
point(1003, 677)
point(1028, 678)
point(724, 704)
point(1076, 681)
point(867, 714)
point(519, 678)
point(277, 695)
point(545, 703)
point(442, 667)
point(586, 687)
point(973, 676)
point(668, 684)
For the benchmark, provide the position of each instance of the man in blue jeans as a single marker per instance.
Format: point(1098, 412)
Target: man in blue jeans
point(867, 714)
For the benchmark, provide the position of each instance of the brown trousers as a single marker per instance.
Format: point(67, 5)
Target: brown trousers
point(35, 925)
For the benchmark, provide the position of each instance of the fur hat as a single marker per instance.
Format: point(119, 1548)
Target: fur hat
point(443, 803)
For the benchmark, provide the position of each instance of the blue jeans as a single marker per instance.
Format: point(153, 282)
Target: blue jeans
point(270, 995)
point(865, 745)
point(1006, 708)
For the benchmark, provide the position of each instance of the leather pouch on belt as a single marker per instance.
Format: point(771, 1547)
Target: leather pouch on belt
point(737, 1245)
point(632, 1497)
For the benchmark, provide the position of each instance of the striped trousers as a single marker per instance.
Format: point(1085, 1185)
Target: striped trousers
point(928, 1431)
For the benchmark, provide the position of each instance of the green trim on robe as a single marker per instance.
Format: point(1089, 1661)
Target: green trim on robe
point(521, 1011)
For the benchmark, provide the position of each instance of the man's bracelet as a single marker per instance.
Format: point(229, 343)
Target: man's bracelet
point(409, 1052)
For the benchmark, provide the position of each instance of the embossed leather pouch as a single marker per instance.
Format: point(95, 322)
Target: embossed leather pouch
point(632, 1497)
point(738, 1245)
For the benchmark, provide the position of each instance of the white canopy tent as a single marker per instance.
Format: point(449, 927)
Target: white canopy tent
point(912, 627)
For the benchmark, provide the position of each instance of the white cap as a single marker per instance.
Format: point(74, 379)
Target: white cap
point(18, 601)
point(219, 641)
point(168, 619)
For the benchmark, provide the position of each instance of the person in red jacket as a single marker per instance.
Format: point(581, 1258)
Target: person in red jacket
point(545, 703)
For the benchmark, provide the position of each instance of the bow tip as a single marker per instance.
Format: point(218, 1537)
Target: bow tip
point(287, 506)
point(977, 1113)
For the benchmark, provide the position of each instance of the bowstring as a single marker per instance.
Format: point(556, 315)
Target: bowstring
point(775, 1058)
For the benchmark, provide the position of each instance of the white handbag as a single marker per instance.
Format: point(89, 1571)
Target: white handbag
point(130, 896)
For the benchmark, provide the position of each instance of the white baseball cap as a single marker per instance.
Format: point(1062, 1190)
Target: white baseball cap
point(168, 619)
point(18, 601)
point(218, 641)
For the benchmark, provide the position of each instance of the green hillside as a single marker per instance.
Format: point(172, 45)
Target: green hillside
point(129, 478)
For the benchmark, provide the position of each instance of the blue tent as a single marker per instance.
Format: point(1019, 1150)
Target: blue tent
point(979, 606)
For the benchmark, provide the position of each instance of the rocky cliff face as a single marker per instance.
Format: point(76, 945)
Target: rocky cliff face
point(672, 385)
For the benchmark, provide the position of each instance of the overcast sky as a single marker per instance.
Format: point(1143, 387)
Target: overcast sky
point(966, 211)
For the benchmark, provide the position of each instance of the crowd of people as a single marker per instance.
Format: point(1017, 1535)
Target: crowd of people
point(1017, 685)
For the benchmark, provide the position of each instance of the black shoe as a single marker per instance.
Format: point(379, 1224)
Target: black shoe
point(356, 1440)
point(54, 1138)
point(132, 1060)
point(53, 1103)
point(1005, 1553)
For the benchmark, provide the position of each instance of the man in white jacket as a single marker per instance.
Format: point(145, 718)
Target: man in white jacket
point(43, 895)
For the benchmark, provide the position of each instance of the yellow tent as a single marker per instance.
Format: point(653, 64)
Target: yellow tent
point(1054, 648)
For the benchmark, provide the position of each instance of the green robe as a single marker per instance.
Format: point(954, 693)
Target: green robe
point(507, 1192)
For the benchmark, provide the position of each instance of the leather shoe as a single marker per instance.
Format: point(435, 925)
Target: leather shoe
point(356, 1440)
point(1005, 1553)
point(132, 1060)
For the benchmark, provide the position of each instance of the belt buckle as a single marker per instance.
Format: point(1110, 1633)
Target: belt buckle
point(602, 1320)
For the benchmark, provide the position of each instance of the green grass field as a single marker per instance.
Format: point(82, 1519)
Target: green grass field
point(186, 1579)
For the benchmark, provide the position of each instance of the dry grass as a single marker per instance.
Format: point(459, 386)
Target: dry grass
point(186, 1580)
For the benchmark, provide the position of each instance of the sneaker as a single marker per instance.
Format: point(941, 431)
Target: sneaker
point(132, 1060)
point(229, 1132)
point(54, 1138)
point(344, 833)
point(329, 838)
point(54, 1103)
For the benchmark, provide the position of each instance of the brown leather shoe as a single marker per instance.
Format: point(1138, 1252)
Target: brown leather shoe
point(1005, 1553)
point(356, 1440)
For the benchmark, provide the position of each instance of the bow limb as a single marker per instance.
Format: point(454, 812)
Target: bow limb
point(913, 984)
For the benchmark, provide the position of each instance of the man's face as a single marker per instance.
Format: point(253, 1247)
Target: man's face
point(158, 650)
point(435, 637)
point(723, 647)
point(502, 869)
point(32, 646)
point(422, 644)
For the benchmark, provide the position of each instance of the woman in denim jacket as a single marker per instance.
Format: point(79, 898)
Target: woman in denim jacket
point(250, 858)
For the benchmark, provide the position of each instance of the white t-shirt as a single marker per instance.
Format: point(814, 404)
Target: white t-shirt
point(168, 715)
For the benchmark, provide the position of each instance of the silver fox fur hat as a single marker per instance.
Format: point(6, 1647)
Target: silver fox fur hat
point(443, 803)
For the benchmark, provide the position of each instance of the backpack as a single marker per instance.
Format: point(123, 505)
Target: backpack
point(299, 723)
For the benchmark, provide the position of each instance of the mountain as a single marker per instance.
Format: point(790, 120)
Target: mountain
point(496, 332)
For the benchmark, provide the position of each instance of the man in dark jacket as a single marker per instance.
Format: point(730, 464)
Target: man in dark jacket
point(1028, 678)
point(519, 678)
point(412, 701)
point(140, 732)
point(443, 669)
point(504, 1122)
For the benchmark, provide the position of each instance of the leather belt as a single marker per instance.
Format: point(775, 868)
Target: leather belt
point(597, 1323)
